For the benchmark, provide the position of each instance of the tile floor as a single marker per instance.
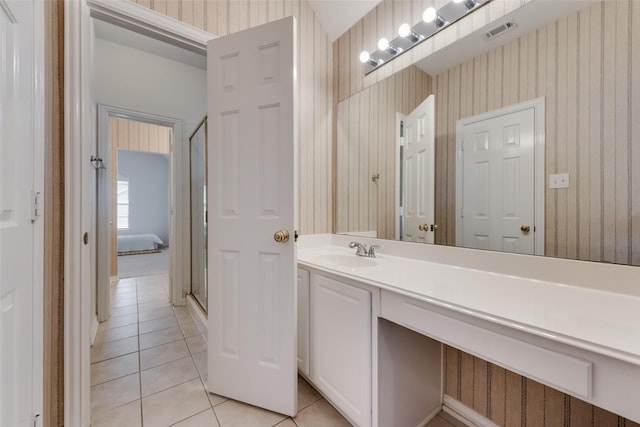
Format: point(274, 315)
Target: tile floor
point(149, 366)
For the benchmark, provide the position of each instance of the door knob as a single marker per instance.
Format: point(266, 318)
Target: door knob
point(525, 228)
point(423, 227)
point(281, 236)
point(434, 227)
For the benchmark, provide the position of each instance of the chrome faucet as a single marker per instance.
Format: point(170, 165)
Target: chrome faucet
point(362, 249)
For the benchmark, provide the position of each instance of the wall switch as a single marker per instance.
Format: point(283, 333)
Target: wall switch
point(560, 180)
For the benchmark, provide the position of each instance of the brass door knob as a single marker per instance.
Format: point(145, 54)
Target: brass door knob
point(434, 227)
point(423, 227)
point(281, 236)
point(525, 228)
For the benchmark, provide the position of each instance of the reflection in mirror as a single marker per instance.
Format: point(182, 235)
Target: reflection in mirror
point(198, 193)
point(585, 67)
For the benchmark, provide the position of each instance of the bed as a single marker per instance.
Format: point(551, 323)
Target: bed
point(139, 244)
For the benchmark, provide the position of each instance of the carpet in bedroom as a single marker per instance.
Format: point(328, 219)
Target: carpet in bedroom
point(143, 264)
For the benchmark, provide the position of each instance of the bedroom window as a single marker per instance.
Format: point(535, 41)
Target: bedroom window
point(123, 205)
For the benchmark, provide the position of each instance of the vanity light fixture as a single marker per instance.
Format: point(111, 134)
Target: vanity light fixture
point(431, 16)
point(365, 58)
point(432, 22)
point(385, 46)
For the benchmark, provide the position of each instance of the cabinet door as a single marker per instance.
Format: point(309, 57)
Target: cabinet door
point(303, 321)
point(341, 346)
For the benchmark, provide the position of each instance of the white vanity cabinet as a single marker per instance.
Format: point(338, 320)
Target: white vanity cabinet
point(334, 340)
point(303, 321)
point(341, 331)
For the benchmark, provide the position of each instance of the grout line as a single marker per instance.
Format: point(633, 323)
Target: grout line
point(139, 361)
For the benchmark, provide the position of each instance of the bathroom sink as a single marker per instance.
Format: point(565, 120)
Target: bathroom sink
point(350, 261)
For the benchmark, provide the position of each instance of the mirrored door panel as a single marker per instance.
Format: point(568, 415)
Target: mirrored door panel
point(198, 190)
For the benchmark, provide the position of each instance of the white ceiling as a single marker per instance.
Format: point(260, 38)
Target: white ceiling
point(337, 16)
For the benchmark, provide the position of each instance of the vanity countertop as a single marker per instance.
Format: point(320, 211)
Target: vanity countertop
point(587, 305)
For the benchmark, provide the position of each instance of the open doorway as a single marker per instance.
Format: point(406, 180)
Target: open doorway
point(140, 198)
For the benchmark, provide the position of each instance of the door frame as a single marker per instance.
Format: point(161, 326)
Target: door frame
point(538, 105)
point(176, 257)
point(399, 215)
point(78, 112)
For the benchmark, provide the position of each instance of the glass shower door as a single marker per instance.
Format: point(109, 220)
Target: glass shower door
point(198, 190)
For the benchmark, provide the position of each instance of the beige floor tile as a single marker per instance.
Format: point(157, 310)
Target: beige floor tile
point(123, 302)
point(124, 293)
point(156, 338)
point(168, 375)
point(116, 322)
point(449, 419)
point(174, 404)
point(118, 333)
point(320, 414)
point(108, 350)
point(201, 364)
point(237, 414)
point(162, 354)
point(111, 369)
point(306, 394)
point(203, 419)
point(158, 324)
point(126, 415)
point(286, 423)
point(155, 314)
point(152, 299)
point(438, 422)
point(197, 344)
point(114, 393)
point(190, 329)
point(122, 311)
point(150, 306)
point(215, 399)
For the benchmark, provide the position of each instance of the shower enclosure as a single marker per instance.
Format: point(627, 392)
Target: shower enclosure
point(198, 195)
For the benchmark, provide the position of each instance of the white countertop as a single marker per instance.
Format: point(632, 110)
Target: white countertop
point(603, 318)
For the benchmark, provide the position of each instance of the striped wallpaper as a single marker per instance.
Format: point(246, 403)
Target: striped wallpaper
point(315, 71)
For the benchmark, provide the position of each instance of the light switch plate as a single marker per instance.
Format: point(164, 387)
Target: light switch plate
point(560, 180)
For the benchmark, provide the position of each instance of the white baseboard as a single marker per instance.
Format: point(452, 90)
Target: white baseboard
point(429, 417)
point(464, 414)
point(198, 316)
point(94, 328)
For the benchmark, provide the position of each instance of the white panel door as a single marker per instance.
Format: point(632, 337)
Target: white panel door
point(303, 321)
point(418, 174)
point(252, 184)
point(20, 316)
point(498, 183)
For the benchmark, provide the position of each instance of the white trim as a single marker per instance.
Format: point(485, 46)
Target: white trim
point(77, 296)
point(94, 328)
point(464, 414)
point(176, 248)
point(130, 15)
point(198, 316)
point(38, 185)
point(539, 180)
point(398, 212)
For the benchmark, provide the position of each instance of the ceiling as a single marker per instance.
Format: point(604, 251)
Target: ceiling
point(337, 16)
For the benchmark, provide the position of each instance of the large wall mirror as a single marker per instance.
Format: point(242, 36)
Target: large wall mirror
point(584, 68)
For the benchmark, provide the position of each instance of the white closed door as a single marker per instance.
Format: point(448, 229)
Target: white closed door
point(20, 313)
point(497, 210)
point(252, 184)
point(418, 174)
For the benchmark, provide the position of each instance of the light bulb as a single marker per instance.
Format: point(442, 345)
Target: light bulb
point(429, 15)
point(404, 30)
point(458, 1)
point(364, 57)
point(383, 44)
